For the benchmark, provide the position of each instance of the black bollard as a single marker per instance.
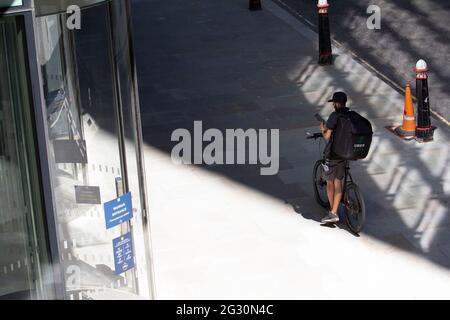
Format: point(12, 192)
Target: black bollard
point(254, 5)
point(325, 51)
point(424, 129)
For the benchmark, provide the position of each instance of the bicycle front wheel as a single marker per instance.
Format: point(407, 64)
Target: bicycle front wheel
point(355, 209)
point(320, 186)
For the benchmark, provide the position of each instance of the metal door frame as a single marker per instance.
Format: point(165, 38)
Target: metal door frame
point(34, 79)
point(135, 108)
point(37, 99)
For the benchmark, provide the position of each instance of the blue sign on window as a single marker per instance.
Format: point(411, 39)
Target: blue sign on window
point(123, 253)
point(118, 211)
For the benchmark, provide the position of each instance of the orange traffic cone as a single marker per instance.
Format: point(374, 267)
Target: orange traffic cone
point(408, 129)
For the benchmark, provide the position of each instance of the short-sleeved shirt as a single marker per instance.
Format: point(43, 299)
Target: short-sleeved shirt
point(332, 124)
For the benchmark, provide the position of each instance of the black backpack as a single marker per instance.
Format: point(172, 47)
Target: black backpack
point(352, 137)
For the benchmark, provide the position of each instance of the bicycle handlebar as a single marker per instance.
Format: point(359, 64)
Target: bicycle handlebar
point(315, 136)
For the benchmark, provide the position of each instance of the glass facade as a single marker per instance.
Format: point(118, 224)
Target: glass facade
point(90, 157)
point(24, 258)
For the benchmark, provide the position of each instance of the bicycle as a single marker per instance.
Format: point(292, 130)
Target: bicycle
point(352, 198)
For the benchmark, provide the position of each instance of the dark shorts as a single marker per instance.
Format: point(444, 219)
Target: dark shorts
point(334, 169)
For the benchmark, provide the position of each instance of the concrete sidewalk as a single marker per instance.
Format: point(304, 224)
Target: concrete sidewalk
point(225, 231)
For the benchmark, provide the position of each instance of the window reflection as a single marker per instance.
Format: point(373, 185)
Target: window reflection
point(88, 156)
point(23, 255)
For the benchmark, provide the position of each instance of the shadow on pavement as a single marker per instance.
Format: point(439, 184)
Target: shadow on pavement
point(239, 69)
point(410, 30)
point(192, 68)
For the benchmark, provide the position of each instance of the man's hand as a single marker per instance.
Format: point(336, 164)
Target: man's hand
point(325, 131)
point(322, 127)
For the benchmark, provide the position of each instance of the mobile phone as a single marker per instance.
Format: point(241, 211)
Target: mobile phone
point(319, 117)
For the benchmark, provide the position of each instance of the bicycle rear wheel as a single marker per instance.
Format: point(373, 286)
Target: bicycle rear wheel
point(320, 186)
point(355, 209)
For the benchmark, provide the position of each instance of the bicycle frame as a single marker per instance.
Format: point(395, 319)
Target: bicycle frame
point(348, 184)
point(348, 179)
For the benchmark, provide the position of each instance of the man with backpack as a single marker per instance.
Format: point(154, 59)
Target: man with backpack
point(334, 169)
point(349, 137)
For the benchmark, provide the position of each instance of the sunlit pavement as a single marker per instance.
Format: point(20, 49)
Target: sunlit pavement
point(410, 29)
point(226, 232)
